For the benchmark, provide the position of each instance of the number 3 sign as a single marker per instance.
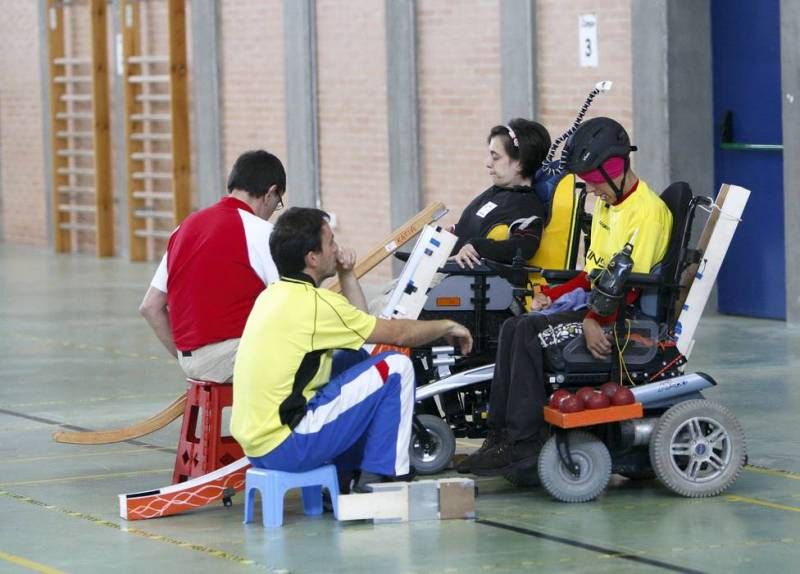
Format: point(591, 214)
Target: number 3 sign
point(587, 40)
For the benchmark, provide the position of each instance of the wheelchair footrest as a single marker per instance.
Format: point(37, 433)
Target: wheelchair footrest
point(591, 417)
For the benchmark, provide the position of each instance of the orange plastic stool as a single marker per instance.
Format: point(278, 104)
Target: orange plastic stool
point(199, 455)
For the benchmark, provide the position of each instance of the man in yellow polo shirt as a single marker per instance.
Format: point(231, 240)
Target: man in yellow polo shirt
point(306, 394)
point(627, 211)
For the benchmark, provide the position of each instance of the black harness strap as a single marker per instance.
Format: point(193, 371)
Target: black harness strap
point(293, 408)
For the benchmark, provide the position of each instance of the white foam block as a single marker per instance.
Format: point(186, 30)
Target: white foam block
point(382, 505)
point(423, 500)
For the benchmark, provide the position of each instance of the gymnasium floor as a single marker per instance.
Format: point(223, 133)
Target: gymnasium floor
point(74, 351)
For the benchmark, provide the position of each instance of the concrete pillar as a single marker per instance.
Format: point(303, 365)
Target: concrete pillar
point(790, 83)
point(672, 101)
point(518, 59)
point(405, 187)
point(207, 134)
point(2, 233)
point(44, 95)
point(302, 161)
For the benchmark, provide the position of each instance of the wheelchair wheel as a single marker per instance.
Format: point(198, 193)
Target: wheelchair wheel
point(697, 448)
point(433, 455)
point(594, 464)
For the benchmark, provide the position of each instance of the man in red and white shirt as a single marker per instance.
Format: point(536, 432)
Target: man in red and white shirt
point(217, 262)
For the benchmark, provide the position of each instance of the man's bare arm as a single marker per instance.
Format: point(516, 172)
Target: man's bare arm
point(408, 333)
point(154, 310)
point(345, 268)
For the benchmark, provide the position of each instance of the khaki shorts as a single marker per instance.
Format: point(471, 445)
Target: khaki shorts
point(212, 362)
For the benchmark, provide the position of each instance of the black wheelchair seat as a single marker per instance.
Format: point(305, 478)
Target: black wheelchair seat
point(645, 340)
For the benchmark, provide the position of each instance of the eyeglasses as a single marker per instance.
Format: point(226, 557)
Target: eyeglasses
point(279, 206)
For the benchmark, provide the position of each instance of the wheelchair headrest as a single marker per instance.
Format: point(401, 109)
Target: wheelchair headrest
point(678, 197)
point(658, 301)
point(544, 186)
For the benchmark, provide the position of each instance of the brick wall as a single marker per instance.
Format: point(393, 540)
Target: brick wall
point(459, 93)
point(22, 177)
point(562, 83)
point(353, 140)
point(252, 88)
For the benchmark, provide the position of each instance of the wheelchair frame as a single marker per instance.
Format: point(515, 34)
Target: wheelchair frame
point(576, 462)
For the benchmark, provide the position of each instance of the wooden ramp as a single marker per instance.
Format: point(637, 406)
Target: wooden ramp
point(221, 484)
point(154, 423)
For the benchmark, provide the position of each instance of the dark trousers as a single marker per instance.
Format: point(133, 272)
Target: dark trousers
point(518, 388)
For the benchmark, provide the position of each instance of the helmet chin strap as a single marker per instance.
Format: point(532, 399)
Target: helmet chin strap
point(618, 191)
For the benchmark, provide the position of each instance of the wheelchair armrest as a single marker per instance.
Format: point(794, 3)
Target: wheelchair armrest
point(634, 280)
point(644, 280)
point(559, 275)
point(453, 268)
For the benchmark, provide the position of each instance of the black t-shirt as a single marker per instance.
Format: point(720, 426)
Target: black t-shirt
point(502, 206)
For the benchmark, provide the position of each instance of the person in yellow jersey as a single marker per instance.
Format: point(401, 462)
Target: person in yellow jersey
point(306, 393)
point(627, 211)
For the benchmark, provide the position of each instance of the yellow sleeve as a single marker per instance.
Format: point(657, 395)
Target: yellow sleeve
point(340, 325)
point(650, 233)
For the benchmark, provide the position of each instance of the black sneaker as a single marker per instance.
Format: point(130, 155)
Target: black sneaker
point(409, 477)
point(526, 453)
point(507, 457)
point(366, 478)
point(493, 461)
point(327, 502)
point(493, 439)
point(346, 479)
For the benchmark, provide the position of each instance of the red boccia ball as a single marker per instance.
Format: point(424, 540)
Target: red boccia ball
point(557, 397)
point(624, 396)
point(584, 393)
point(571, 404)
point(597, 400)
point(610, 388)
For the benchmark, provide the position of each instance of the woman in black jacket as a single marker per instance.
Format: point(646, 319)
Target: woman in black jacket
point(516, 152)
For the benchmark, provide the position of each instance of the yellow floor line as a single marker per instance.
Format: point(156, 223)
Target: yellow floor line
point(222, 554)
point(84, 454)
point(757, 502)
point(772, 472)
point(84, 477)
point(29, 564)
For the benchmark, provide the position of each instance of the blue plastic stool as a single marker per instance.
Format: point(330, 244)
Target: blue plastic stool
point(273, 485)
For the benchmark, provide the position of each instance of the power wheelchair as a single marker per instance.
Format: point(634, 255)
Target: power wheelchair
point(694, 446)
point(481, 299)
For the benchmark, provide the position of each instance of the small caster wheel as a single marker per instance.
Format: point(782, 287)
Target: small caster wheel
point(593, 465)
point(433, 454)
point(227, 495)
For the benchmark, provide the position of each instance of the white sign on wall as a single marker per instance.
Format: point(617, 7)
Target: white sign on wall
point(587, 40)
